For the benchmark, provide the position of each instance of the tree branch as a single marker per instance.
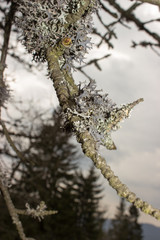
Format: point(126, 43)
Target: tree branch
point(12, 211)
point(154, 2)
point(40, 212)
point(89, 145)
point(4, 93)
point(7, 32)
point(68, 93)
point(11, 143)
point(129, 16)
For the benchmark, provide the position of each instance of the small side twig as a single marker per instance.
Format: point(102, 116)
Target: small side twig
point(11, 143)
point(40, 212)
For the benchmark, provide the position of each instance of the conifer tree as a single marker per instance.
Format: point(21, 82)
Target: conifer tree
point(135, 227)
point(125, 226)
point(47, 179)
point(90, 218)
point(53, 179)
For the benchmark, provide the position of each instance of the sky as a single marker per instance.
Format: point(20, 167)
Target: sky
point(128, 74)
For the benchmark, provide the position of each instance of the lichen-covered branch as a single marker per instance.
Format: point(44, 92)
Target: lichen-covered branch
point(89, 145)
point(57, 33)
point(56, 74)
point(75, 16)
point(89, 148)
point(40, 212)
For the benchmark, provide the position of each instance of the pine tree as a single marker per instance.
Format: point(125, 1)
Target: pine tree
point(55, 158)
point(90, 218)
point(53, 179)
point(135, 227)
point(120, 224)
point(47, 179)
point(125, 226)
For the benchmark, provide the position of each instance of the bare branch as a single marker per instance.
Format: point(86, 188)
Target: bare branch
point(154, 2)
point(113, 14)
point(147, 44)
point(7, 32)
point(129, 16)
point(95, 62)
point(13, 146)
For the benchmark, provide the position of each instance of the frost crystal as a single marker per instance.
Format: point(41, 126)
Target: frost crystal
point(43, 25)
point(98, 114)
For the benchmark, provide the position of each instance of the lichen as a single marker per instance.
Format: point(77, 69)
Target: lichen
point(46, 23)
point(98, 114)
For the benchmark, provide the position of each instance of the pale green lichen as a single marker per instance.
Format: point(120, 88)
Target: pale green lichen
point(46, 23)
point(98, 114)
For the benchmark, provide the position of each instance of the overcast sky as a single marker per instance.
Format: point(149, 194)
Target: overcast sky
point(127, 75)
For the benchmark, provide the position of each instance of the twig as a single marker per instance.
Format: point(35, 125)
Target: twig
point(131, 17)
point(11, 143)
point(154, 2)
point(40, 212)
point(95, 62)
point(13, 212)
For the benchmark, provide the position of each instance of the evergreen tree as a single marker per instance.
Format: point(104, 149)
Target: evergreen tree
point(119, 228)
point(53, 179)
point(55, 160)
point(54, 157)
point(125, 226)
point(90, 218)
point(135, 227)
